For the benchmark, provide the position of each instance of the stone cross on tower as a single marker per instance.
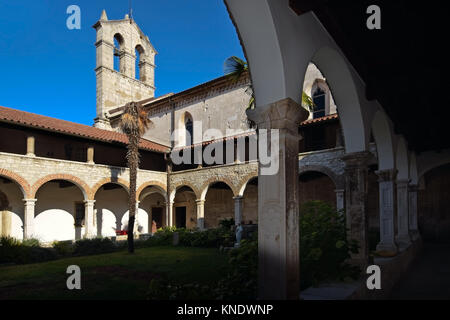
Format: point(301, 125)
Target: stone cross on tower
point(121, 84)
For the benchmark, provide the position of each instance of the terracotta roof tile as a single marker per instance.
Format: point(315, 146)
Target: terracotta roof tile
point(321, 119)
point(71, 128)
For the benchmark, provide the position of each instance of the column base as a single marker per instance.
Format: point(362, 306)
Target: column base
point(404, 242)
point(387, 248)
point(415, 235)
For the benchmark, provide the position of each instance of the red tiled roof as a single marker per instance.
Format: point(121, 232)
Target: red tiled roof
point(72, 128)
point(321, 119)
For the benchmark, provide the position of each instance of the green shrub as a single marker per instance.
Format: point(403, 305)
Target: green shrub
point(239, 283)
point(93, 246)
point(14, 251)
point(31, 242)
point(324, 248)
point(226, 223)
point(63, 248)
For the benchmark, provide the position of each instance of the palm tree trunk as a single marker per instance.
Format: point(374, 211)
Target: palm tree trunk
point(133, 161)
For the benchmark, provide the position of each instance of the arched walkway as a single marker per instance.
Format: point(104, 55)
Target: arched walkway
point(219, 204)
point(111, 204)
point(59, 211)
point(434, 205)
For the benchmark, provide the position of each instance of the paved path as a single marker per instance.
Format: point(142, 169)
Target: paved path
point(428, 276)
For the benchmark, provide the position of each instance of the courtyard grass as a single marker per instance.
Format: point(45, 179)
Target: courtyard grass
point(117, 275)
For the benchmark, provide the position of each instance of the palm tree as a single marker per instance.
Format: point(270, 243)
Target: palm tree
point(234, 67)
point(134, 122)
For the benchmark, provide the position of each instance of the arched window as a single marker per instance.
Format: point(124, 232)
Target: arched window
point(189, 132)
point(319, 103)
point(139, 72)
point(118, 53)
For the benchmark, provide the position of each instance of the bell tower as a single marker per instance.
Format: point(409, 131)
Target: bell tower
point(125, 66)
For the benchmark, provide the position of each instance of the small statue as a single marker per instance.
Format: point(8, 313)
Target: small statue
point(239, 231)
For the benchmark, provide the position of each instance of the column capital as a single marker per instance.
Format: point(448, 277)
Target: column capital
point(238, 197)
point(357, 159)
point(282, 114)
point(403, 183)
point(386, 175)
point(339, 190)
point(89, 202)
point(200, 201)
point(29, 201)
point(413, 188)
point(169, 203)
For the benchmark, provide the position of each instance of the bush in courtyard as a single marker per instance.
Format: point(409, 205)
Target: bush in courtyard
point(64, 248)
point(31, 242)
point(324, 247)
point(14, 251)
point(239, 283)
point(226, 223)
point(93, 246)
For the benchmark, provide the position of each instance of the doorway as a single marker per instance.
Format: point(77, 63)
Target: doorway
point(180, 217)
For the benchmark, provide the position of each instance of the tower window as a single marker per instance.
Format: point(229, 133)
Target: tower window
point(118, 53)
point(139, 71)
point(189, 132)
point(319, 103)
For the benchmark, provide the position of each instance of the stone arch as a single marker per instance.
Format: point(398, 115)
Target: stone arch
point(211, 181)
point(183, 184)
point(341, 82)
point(413, 172)
point(383, 135)
point(24, 186)
point(99, 184)
point(160, 186)
point(244, 183)
point(84, 188)
point(402, 162)
point(338, 181)
point(4, 202)
point(289, 42)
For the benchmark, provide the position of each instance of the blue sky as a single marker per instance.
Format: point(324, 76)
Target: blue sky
point(49, 69)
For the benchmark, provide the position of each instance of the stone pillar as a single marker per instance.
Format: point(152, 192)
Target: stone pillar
point(28, 226)
point(89, 218)
point(386, 184)
point(200, 213)
point(5, 223)
point(118, 224)
point(340, 193)
point(169, 213)
point(31, 146)
point(356, 203)
point(238, 209)
point(413, 225)
point(403, 237)
point(90, 155)
point(278, 199)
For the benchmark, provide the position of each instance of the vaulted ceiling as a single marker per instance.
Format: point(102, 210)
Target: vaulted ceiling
point(403, 64)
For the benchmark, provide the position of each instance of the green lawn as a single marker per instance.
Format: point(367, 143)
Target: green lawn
point(112, 276)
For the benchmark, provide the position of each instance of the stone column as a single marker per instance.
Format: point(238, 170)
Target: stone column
point(31, 146)
point(200, 213)
point(356, 203)
point(5, 223)
point(340, 193)
point(413, 225)
point(89, 218)
point(238, 209)
point(28, 226)
point(90, 155)
point(278, 199)
point(403, 237)
point(386, 183)
point(169, 213)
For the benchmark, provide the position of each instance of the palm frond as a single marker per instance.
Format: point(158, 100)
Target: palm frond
point(234, 67)
point(307, 101)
